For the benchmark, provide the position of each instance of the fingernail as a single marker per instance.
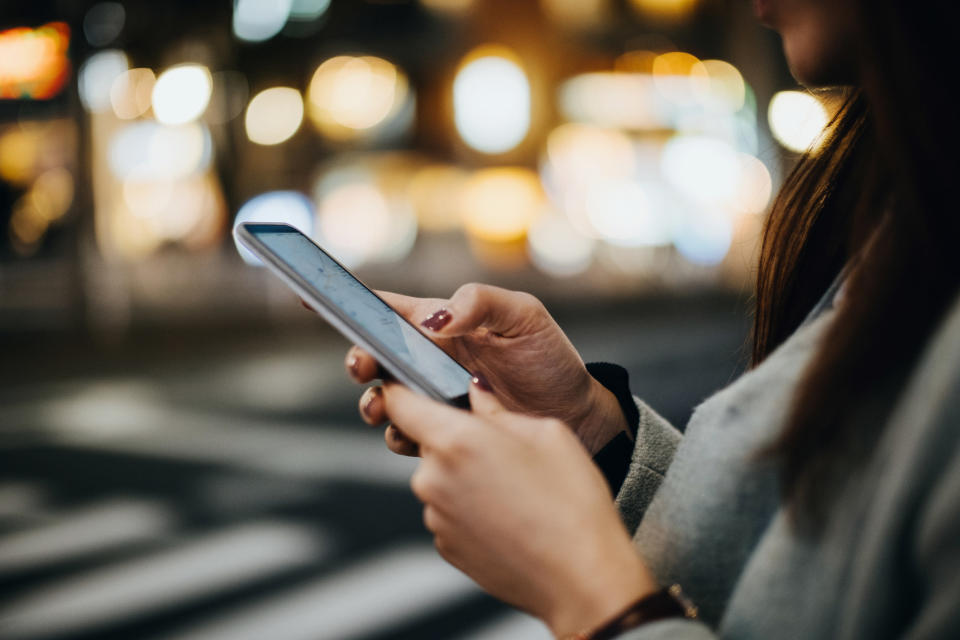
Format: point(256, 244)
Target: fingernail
point(354, 366)
point(437, 320)
point(372, 396)
point(481, 381)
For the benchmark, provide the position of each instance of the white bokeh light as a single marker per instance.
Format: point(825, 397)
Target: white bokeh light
point(259, 20)
point(288, 207)
point(274, 115)
point(797, 119)
point(182, 93)
point(491, 101)
point(96, 78)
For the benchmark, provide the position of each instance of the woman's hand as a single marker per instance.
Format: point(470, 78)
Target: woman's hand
point(509, 339)
point(516, 503)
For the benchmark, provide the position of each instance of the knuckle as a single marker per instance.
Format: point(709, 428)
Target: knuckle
point(469, 293)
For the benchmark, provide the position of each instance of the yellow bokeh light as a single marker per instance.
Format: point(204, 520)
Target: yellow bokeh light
point(350, 95)
point(181, 93)
point(666, 10)
point(491, 100)
point(434, 192)
point(274, 115)
point(131, 93)
point(672, 76)
point(19, 150)
point(27, 225)
point(454, 7)
point(52, 193)
point(500, 204)
point(635, 62)
point(719, 82)
point(797, 120)
point(577, 14)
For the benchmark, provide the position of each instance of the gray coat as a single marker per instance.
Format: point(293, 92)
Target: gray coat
point(706, 513)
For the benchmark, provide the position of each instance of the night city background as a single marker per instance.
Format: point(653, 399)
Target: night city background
point(180, 453)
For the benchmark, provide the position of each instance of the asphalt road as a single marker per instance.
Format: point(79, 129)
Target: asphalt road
point(218, 484)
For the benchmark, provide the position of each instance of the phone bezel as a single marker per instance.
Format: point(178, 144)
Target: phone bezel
point(342, 322)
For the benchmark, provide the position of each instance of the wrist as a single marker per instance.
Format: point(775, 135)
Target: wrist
point(602, 418)
point(593, 602)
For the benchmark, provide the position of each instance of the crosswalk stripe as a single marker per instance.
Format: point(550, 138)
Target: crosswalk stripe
point(202, 566)
point(377, 594)
point(96, 527)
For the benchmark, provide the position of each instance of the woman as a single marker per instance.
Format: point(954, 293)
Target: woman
point(819, 494)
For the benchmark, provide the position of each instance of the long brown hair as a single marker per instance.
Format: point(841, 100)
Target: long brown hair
point(879, 199)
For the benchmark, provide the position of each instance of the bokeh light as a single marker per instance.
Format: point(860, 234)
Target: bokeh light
point(672, 73)
point(754, 188)
point(52, 193)
point(149, 150)
point(287, 207)
point(449, 7)
point(103, 23)
point(19, 152)
point(349, 96)
point(96, 78)
point(131, 93)
point(308, 10)
point(491, 100)
point(259, 20)
point(181, 93)
point(577, 14)
point(704, 238)
point(719, 84)
point(797, 119)
point(624, 213)
point(607, 99)
point(274, 115)
point(665, 10)
point(705, 170)
point(500, 204)
point(33, 62)
point(434, 192)
point(557, 248)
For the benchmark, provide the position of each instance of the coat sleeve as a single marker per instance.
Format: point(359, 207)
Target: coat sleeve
point(655, 443)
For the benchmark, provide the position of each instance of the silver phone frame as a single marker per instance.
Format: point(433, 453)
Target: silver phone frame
point(341, 322)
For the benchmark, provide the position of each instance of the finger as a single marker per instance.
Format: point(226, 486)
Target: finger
point(399, 443)
point(371, 406)
point(473, 306)
point(420, 418)
point(482, 399)
point(413, 309)
point(361, 366)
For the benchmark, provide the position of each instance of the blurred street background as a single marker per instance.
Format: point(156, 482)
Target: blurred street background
point(180, 454)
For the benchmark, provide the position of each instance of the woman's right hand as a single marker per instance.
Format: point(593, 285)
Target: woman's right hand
point(509, 339)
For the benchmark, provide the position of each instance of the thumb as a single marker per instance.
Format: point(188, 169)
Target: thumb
point(473, 306)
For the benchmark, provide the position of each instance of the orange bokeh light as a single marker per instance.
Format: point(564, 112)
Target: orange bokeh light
point(33, 62)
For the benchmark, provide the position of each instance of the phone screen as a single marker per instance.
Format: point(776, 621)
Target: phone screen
point(377, 320)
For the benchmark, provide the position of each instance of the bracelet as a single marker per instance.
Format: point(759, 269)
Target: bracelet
point(666, 603)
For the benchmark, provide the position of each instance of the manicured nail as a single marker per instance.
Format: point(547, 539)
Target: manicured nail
point(354, 366)
point(373, 394)
point(481, 381)
point(437, 320)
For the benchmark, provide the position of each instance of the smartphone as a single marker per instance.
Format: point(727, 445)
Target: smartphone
point(357, 312)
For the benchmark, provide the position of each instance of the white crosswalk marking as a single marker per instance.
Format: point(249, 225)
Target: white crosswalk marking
point(202, 566)
point(374, 595)
point(102, 526)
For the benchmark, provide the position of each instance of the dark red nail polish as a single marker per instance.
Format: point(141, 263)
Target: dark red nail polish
point(375, 393)
point(481, 381)
point(354, 366)
point(437, 320)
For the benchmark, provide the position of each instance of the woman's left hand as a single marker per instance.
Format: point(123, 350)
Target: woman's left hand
point(516, 503)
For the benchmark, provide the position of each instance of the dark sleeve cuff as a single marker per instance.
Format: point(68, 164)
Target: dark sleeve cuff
point(614, 459)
